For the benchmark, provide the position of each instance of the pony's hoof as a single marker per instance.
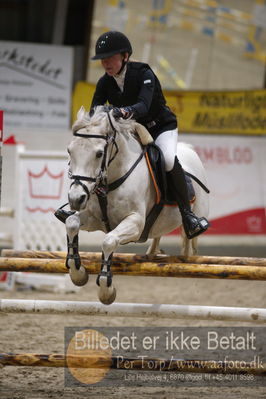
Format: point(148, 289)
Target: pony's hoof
point(79, 276)
point(152, 255)
point(107, 295)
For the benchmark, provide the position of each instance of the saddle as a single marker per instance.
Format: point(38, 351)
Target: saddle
point(164, 192)
point(156, 165)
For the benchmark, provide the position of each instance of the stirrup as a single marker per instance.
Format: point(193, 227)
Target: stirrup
point(193, 225)
point(62, 215)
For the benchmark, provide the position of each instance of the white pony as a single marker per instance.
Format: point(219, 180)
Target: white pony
point(102, 151)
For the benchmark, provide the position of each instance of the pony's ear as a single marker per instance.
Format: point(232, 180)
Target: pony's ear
point(81, 113)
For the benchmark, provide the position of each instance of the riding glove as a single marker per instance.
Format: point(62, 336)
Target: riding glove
point(124, 113)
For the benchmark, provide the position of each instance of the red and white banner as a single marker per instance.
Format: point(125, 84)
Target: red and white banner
point(7, 280)
point(43, 185)
point(1, 142)
point(236, 174)
point(1, 126)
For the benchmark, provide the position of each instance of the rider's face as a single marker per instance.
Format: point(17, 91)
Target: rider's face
point(113, 64)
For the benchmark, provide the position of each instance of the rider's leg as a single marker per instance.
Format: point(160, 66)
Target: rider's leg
point(167, 141)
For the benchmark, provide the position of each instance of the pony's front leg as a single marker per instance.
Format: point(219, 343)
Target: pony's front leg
point(78, 273)
point(128, 230)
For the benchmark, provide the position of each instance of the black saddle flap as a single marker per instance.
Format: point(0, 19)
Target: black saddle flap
point(156, 159)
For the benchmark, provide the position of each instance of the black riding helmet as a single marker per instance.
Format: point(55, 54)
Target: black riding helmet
point(111, 43)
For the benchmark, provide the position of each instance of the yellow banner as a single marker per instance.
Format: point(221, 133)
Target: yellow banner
point(215, 112)
point(82, 95)
point(225, 112)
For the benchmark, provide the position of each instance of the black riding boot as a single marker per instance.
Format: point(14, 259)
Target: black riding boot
point(193, 225)
point(62, 215)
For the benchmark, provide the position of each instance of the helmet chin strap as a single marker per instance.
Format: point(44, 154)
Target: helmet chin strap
point(124, 62)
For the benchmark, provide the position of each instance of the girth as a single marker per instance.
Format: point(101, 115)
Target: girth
point(103, 190)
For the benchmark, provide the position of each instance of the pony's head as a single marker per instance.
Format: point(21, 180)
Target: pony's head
point(93, 147)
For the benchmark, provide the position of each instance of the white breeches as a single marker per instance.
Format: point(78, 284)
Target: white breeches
point(167, 141)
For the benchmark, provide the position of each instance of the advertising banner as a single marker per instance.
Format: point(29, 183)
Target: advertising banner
point(228, 112)
point(210, 112)
point(1, 143)
point(1, 126)
point(236, 175)
point(35, 85)
point(43, 185)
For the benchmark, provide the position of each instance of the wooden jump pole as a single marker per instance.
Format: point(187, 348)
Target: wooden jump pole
point(121, 363)
point(96, 257)
point(144, 310)
point(148, 268)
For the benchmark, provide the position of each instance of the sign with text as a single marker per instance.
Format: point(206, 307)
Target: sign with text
point(35, 85)
point(235, 170)
point(209, 112)
point(234, 112)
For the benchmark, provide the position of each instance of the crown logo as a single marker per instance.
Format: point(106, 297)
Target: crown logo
point(45, 185)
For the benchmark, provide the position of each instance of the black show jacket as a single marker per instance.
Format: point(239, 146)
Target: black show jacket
point(142, 93)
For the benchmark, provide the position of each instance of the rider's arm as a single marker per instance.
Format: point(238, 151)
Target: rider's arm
point(142, 107)
point(100, 95)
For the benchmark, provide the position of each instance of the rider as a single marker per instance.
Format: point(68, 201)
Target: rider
point(135, 91)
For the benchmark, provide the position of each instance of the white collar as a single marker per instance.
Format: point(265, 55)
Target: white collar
point(120, 79)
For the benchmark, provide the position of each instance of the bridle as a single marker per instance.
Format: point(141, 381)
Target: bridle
point(101, 187)
point(100, 179)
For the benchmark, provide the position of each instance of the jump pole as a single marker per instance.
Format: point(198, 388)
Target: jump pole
point(143, 310)
point(121, 363)
point(127, 257)
point(148, 268)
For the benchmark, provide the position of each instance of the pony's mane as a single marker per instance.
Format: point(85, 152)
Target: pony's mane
point(100, 118)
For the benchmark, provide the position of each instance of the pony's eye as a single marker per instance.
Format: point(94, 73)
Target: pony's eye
point(99, 154)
